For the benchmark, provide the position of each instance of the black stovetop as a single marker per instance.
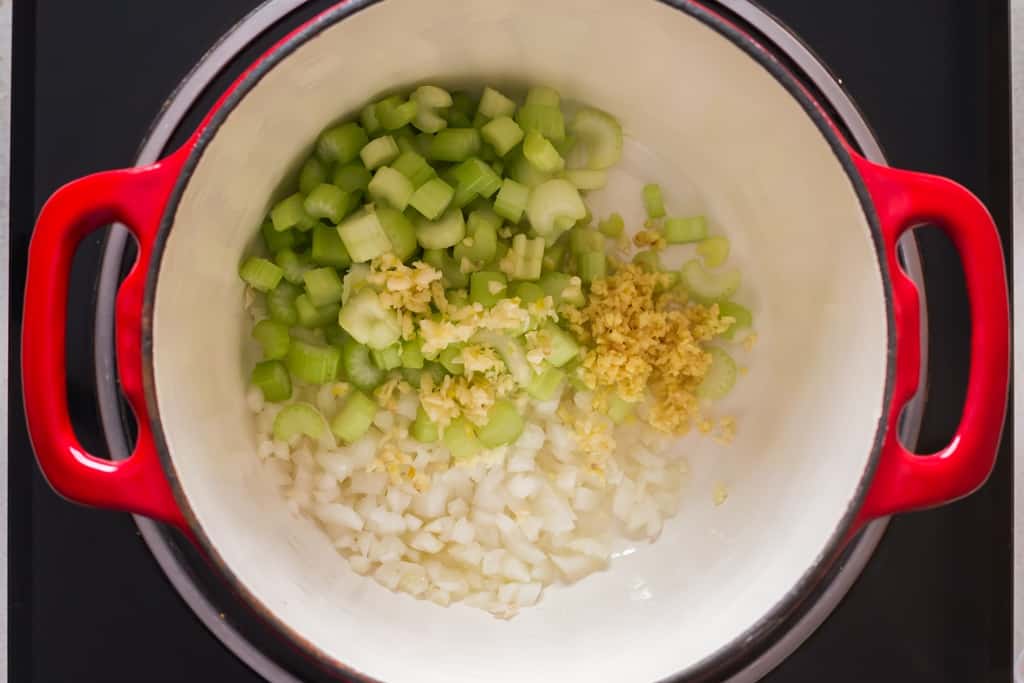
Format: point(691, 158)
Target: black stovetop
point(89, 604)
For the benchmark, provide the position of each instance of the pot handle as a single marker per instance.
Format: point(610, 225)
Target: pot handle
point(135, 197)
point(907, 481)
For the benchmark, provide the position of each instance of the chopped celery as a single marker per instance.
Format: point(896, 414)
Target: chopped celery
point(613, 226)
point(388, 185)
point(708, 286)
point(352, 177)
point(449, 267)
point(740, 314)
point(323, 286)
point(414, 167)
point(290, 212)
point(487, 287)
point(473, 175)
point(511, 201)
point(328, 249)
point(480, 216)
point(545, 385)
point(293, 265)
point(412, 354)
point(430, 98)
point(432, 198)
point(683, 230)
point(363, 236)
point(721, 376)
point(399, 230)
point(587, 179)
point(355, 417)
point(599, 135)
point(653, 201)
point(455, 144)
point(387, 359)
point(593, 265)
point(563, 288)
point(498, 167)
point(299, 418)
point(525, 259)
point(460, 438)
point(313, 363)
point(271, 377)
point(311, 316)
point(545, 119)
point(564, 346)
point(312, 173)
point(423, 429)
point(281, 303)
point(393, 113)
point(354, 280)
point(481, 242)
point(260, 274)
point(369, 321)
point(368, 117)
point(493, 104)
point(379, 152)
point(528, 292)
point(335, 335)
point(272, 337)
point(584, 240)
point(714, 251)
point(551, 203)
point(450, 359)
point(445, 232)
point(511, 351)
point(618, 409)
point(541, 153)
point(502, 134)
point(544, 96)
point(504, 424)
point(554, 255)
point(327, 201)
point(648, 259)
point(359, 367)
point(276, 240)
point(341, 144)
point(525, 173)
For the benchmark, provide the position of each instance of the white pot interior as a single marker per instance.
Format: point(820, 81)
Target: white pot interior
point(722, 136)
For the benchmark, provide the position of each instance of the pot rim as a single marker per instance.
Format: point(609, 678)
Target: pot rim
point(729, 658)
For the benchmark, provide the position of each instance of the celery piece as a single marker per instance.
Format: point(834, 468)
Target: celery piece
point(281, 303)
point(327, 201)
point(328, 249)
point(523, 172)
point(482, 216)
point(260, 274)
point(393, 113)
point(527, 292)
point(741, 315)
point(708, 286)
point(511, 351)
point(299, 419)
point(525, 259)
point(335, 335)
point(369, 321)
point(450, 359)
point(502, 134)
point(312, 173)
point(432, 198)
point(276, 240)
point(618, 409)
point(354, 280)
point(313, 363)
point(504, 424)
point(554, 255)
point(541, 153)
point(352, 177)
point(379, 152)
point(363, 236)
point(721, 375)
point(400, 232)
point(654, 203)
point(355, 417)
point(341, 144)
point(544, 96)
point(481, 242)
point(423, 429)
point(290, 212)
point(587, 179)
point(584, 240)
point(387, 359)
point(613, 226)
point(368, 117)
point(414, 167)
point(683, 230)
point(545, 119)
point(563, 288)
point(323, 286)
point(388, 185)
point(593, 265)
point(546, 384)
point(430, 98)
point(487, 287)
point(463, 103)
point(600, 136)
point(358, 364)
point(493, 104)
point(447, 231)
point(714, 251)
point(564, 346)
point(473, 175)
point(412, 354)
point(553, 207)
point(449, 267)
point(456, 119)
point(312, 316)
point(271, 377)
point(455, 144)
point(460, 438)
point(272, 337)
point(648, 259)
point(293, 265)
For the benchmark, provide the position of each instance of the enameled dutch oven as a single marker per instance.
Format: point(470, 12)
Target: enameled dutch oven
point(707, 112)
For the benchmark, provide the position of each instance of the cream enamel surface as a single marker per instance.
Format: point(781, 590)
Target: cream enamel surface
point(722, 136)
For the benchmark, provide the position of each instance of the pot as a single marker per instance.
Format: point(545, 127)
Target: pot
point(814, 227)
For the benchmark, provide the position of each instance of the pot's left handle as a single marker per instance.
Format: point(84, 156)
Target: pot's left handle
point(135, 197)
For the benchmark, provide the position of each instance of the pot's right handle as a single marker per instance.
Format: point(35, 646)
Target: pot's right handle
point(907, 481)
point(135, 197)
